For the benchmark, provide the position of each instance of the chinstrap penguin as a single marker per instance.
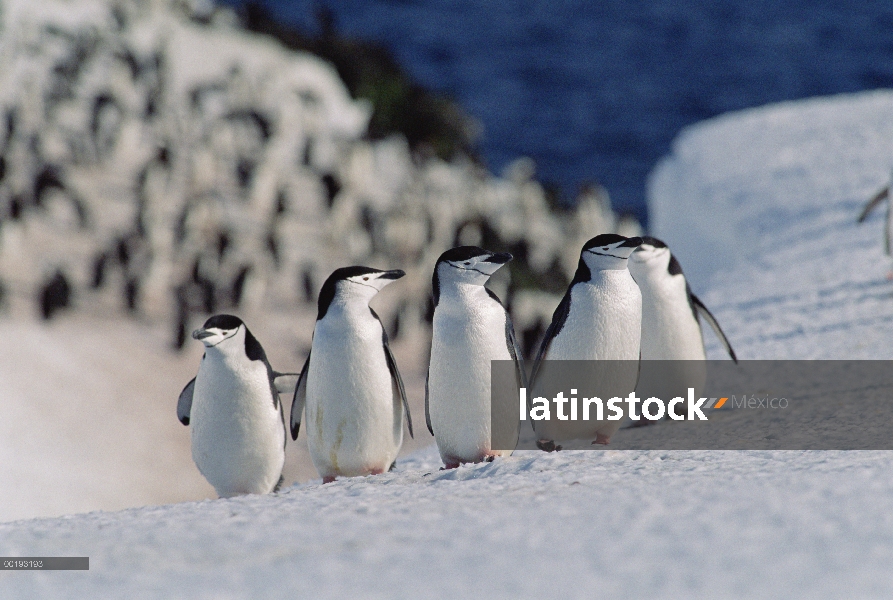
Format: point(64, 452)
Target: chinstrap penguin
point(670, 310)
point(349, 387)
point(471, 327)
point(671, 331)
point(232, 407)
point(599, 319)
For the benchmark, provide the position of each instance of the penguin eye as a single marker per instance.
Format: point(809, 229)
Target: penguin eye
point(467, 262)
point(365, 279)
point(605, 249)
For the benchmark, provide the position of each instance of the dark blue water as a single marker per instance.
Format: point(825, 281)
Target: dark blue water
point(596, 90)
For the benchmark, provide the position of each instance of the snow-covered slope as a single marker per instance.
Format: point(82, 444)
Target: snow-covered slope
point(760, 207)
point(800, 280)
point(567, 525)
point(80, 425)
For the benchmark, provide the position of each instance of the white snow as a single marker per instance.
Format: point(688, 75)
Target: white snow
point(577, 524)
point(761, 209)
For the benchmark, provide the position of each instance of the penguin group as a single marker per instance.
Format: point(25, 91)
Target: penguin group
point(627, 301)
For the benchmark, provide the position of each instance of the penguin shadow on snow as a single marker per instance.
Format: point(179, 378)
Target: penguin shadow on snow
point(484, 469)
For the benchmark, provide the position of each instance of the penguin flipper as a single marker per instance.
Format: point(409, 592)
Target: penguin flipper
point(299, 399)
point(282, 383)
point(515, 351)
point(559, 317)
point(512, 343)
point(395, 373)
point(395, 377)
point(428, 412)
point(708, 316)
point(285, 383)
point(872, 204)
point(184, 402)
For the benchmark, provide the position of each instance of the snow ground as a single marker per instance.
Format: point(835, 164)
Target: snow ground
point(799, 280)
point(81, 422)
point(595, 524)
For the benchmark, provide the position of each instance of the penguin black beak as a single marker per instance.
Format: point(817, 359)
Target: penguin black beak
point(632, 242)
point(200, 334)
point(500, 258)
point(395, 274)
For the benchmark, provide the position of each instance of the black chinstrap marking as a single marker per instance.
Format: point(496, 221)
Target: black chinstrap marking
point(363, 284)
point(461, 268)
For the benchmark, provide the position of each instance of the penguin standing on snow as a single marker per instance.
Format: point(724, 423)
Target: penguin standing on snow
point(232, 406)
point(470, 328)
point(349, 386)
point(599, 319)
point(670, 326)
point(671, 331)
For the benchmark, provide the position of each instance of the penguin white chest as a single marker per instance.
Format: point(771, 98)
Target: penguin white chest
point(469, 332)
point(604, 321)
point(672, 336)
point(238, 438)
point(354, 424)
point(603, 324)
point(670, 330)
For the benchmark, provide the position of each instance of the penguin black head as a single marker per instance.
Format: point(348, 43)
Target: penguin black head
point(605, 252)
point(612, 244)
point(466, 264)
point(218, 328)
point(653, 256)
point(354, 282)
point(227, 334)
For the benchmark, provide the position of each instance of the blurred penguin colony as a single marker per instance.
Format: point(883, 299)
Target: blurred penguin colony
point(158, 159)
